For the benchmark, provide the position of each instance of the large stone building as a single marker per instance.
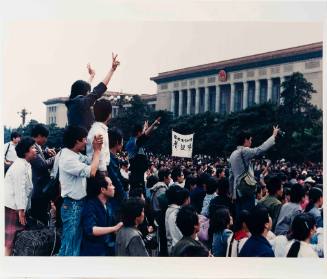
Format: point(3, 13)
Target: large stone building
point(56, 110)
point(235, 84)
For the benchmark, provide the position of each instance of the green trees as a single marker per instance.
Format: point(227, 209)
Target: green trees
point(301, 120)
point(215, 133)
point(55, 133)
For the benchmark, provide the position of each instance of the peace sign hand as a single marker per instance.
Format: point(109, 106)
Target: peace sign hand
point(275, 130)
point(115, 62)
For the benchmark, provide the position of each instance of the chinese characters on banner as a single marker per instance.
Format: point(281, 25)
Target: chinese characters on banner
point(182, 145)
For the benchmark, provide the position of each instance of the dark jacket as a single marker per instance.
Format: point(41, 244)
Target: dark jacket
point(219, 201)
point(116, 178)
point(257, 246)
point(137, 159)
point(186, 241)
point(197, 197)
point(79, 108)
point(40, 172)
point(273, 205)
point(95, 214)
point(129, 242)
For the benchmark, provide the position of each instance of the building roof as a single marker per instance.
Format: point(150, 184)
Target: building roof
point(62, 100)
point(148, 98)
point(263, 59)
point(59, 100)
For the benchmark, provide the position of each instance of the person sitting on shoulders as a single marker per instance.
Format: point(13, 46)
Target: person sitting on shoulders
point(80, 101)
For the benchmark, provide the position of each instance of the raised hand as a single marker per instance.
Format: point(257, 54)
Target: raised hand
point(90, 70)
point(115, 62)
point(145, 126)
point(275, 130)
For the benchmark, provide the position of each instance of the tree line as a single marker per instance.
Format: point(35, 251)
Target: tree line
point(215, 133)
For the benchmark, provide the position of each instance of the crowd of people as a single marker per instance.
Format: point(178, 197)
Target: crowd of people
point(117, 199)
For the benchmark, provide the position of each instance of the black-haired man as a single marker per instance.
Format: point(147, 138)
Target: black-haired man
point(115, 146)
point(272, 200)
point(41, 167)
point(187, 221)
point(97, 219)
point(242, 181)
point(136, 153)
point(290, 210)
point(260, 225)
point(73, 171)
point(10, 151)
point(129, 241)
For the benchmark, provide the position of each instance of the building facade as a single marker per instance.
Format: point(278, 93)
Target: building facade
point(233, 85)
point(56, 110)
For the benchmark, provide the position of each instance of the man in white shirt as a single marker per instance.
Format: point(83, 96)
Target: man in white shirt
point(10, 151)
point(102, 113)
point(73, 171)
point(124, 170)
point(176, 197)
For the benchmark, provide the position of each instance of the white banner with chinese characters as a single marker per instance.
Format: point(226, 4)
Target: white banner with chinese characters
point(182, 145)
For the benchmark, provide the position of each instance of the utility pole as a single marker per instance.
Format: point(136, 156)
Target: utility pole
point(22, 114)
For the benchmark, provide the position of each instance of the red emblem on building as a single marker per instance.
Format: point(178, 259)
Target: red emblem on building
point(222, 76)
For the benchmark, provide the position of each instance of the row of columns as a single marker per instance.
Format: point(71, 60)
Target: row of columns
point(217, 101)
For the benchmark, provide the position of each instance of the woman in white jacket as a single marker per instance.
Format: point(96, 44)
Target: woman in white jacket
point(303, 228)
point(18, 190)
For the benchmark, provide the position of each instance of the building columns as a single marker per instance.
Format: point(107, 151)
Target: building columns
point(206, 99)
point(197, 100)
point(269, 89)
point(257, 92)
point(281, 100)
point(188, 108)
point(217, 108)
point(180, 103)
point(172, 102)
point(245, 95)
point(232, 96)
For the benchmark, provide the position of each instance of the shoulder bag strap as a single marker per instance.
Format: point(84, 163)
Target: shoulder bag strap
point(246, 167)
point(7, 151)
point(57, 175)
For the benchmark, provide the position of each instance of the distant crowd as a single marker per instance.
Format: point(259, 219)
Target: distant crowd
point(104, 197)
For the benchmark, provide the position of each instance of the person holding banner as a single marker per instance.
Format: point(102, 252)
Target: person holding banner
point(136, 153)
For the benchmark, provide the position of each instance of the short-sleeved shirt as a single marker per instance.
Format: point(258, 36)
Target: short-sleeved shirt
point(73, 171)
point(99, 128)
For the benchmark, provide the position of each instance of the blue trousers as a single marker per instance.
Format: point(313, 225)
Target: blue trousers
point(71, 227)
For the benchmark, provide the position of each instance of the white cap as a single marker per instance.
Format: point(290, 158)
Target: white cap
point(309, 180)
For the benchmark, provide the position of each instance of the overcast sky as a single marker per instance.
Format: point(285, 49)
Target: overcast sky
point(44, 56)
